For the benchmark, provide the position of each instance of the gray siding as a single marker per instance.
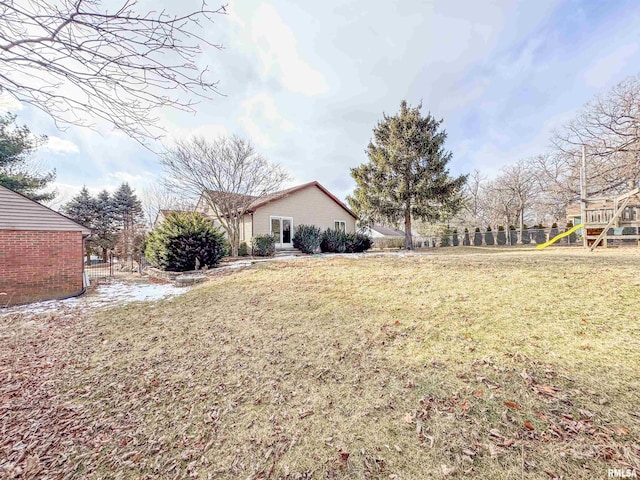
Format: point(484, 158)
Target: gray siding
point(20, 213)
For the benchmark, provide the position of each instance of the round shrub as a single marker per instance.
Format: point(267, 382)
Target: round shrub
point(307, 238)
point(333, 241)
point(357, 243)
point(183, 241)
point(243, 249)
point(263, 245)
point(488, 236)
point(477, 237)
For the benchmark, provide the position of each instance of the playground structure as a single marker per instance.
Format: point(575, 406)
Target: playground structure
point(613, 218)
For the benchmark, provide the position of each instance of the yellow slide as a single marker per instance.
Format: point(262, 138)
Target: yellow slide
point(558, 237)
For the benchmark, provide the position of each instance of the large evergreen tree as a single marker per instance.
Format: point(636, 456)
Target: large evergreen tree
point(83, 208)
point(104, 226)
point(406, 176)
point(17, 171)
point(128, 215)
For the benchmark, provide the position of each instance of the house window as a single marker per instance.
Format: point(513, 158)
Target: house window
point(340, 225)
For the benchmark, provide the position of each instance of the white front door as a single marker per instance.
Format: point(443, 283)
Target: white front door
point(282, 229)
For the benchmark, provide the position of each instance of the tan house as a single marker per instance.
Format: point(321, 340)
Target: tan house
point(280, 213)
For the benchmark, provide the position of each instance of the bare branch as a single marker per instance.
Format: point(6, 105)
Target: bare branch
point(78, 63)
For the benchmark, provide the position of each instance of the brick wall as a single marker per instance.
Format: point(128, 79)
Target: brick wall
point(36, 265)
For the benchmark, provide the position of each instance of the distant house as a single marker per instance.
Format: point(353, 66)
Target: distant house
point(280, 213)
point(380, 231)
point(41, 251)
point(162, 214)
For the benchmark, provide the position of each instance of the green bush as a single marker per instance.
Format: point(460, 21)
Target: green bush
point(526, 235)
point(243, 249)
point(572, 237)
point(455, 239)
point(184, 240)
point(307, 238)
point(466, 241)
point(357, 243)
point(263, 245)
point(513, 235)
point(333, 241)
point(501, 237)
point(488, 236)
point(477, 237)
point(444, 238)
point(540, 236)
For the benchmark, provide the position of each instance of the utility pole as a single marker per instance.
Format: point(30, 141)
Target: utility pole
point(583, 195)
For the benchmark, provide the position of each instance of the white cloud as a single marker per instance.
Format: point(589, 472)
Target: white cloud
point(277, 50)
point(58, 145)
point(134, 180)
point(262, 119)
point(9, 104)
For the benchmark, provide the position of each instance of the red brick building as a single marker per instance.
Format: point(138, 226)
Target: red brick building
point(41, 251)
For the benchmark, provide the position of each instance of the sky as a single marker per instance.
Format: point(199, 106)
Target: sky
point(307, 82)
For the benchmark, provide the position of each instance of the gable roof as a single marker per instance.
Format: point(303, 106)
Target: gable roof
point(259, 202)
point(18, 212)
point(262, 201)
point(387, 231)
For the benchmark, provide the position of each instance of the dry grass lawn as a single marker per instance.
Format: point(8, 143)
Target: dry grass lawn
point(470, 363)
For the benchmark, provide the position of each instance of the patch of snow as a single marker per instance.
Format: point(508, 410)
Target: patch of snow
point(106, 295)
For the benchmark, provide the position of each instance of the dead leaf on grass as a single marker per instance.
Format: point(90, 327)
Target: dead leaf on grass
point(546, 390)
point(513, 405)
point(529, 426)
point(305, 414)
point(620, 431)
point(448, 471)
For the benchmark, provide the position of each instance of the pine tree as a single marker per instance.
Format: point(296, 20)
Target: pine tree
point(128, 217)
point(105, 228)
point(406, 176)
point(17, 144)
point(83, 208)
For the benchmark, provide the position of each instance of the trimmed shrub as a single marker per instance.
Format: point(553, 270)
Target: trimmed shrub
point(184, 241)
point(263, 245)
point(477, 237)
point(333, 241)
point(307, 238)
point(540, 236)
point(526, 235)
point(513, 235)
point(488, 236)
point(357, 243)
point(554, 232)
point(444, 238)
point(455, 239)
point(572, 237)
point(466, 241)
point(501, 237)
point(243, 249)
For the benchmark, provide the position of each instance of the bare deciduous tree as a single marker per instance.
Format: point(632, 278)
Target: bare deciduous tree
point(609, 127)
point(78, 62)
point(228, 172)
point(158, 196)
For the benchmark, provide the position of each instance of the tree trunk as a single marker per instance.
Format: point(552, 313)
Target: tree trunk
point(408, 241)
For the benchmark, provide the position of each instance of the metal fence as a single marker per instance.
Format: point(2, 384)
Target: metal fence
point(98, 268)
